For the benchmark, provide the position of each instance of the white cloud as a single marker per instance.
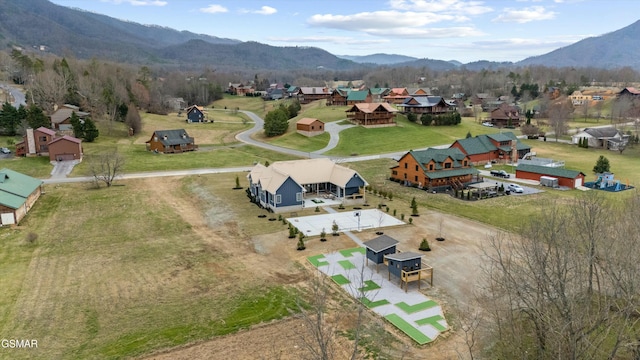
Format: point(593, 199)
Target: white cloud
point(525, 15)
point(138, 2)
point(442, 6)
point(266, 10)
point(214, 9)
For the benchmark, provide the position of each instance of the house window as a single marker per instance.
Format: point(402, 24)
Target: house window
point(394, 172)
point(312, 127)
point(416, 167)
point(416, 177)
point(278, 199)
point(299, 196)
point(447, 165)
point(405, 176)
point(405, 165)
point(430, 166)
point(465, 163)
point(43, 138)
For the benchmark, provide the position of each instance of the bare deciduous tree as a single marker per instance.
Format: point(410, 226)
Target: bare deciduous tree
point(106, 166)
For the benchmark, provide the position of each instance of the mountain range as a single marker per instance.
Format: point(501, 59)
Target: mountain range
point(63, 31)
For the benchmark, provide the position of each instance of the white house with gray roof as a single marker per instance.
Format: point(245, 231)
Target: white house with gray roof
point(283, 185)
point(601, 137)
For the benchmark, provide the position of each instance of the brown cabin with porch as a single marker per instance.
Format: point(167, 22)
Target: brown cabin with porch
point(505, 115)
point(171, 141)
point(35, 142)
point(309, 94)
point(434, 168)
point(372, 114)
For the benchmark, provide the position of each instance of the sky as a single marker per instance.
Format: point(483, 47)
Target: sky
point(463, 30)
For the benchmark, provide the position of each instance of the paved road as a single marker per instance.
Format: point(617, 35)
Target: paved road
point(16, 95)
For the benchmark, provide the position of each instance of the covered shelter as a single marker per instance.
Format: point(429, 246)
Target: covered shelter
point(377, 248)
point(408, 266)
point(309, 127)
point(485, 187)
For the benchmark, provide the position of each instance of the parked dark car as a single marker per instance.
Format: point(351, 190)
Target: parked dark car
point(500, 173)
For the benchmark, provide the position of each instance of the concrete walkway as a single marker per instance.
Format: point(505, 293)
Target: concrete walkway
point(333, 128)
point(415, 314)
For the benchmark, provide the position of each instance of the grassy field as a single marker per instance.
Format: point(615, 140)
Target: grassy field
point(156, 263)
point(405, 136)
point(152, 281)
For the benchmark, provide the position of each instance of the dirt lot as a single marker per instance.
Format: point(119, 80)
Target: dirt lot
point(456, 263)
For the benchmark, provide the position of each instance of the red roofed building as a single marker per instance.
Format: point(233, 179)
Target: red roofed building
point(309, 127)
point(65, 148)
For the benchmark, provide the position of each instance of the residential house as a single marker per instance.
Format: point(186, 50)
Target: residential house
point(505, 116)
point(240, 89)
point(61, 117)
point(65, 148)
point(378, 94)
point(482, 100)
point(566, 178)
point(284, 185)
point(433, 105)
point(35, 142)
point(601, 137)
point(309, 127)
point(308, 94)
point(18, 194)
point(578, 98)
point(629, 91)
point(372, 114)
point(171, 141)
point(338, 97)
point(274, 94)
point(397, 95)
point(196, 114)
point(434, 168)
point(358, 97)
point(292, 91)
point(502, 147)
point(419, 92)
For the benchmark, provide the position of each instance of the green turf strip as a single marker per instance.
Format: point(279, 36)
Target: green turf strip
point(346, 264)
point(340, 279)
point(369, 285)
point(316, 260)
point(371, 304)
point(433, 321)
point(408, 329)
point(349, 252)
point(410, 309)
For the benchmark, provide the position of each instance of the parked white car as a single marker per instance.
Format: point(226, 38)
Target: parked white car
point(515, 188)
point(486, 123)
point(5, 150)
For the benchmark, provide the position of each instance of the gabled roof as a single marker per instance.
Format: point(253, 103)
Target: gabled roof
point(307, 121)
point(372, 107)
point(45, 130)
point(65, 112)
point(313, 90)
point(631, 90)
point(603, 132)
point(378, 91)
point(439, 156)
point(309, 171)
point(66, 138)
point(15, 188)
point(482, 144)
point(419, 91)
point(199, 108)
point(173, 137)
point(398, 91)
point(381, 243)
point(426, 101)
point(551, 171)
point(358, 95)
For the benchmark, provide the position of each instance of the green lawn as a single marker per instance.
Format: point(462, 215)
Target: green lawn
point(294, 140)
point(403, 137)
point(132, 277)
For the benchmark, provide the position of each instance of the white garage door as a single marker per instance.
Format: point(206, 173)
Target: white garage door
point(578, 182)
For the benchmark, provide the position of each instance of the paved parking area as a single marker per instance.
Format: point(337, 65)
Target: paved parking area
point(347, 221)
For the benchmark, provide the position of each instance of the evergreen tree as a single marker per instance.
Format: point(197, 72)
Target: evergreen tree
point(9, 119)
point(77, 126)
point(36, 118)
point(90, 130)
point(276, 122)
point(602, 165)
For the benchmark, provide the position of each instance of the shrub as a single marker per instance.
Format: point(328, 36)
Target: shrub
point(317, 209)
point(402, 217)
point(323, 235)
point(394, 212)
point(424, 245)
point(390, 195)
point(335, 228)
point(410, 221)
